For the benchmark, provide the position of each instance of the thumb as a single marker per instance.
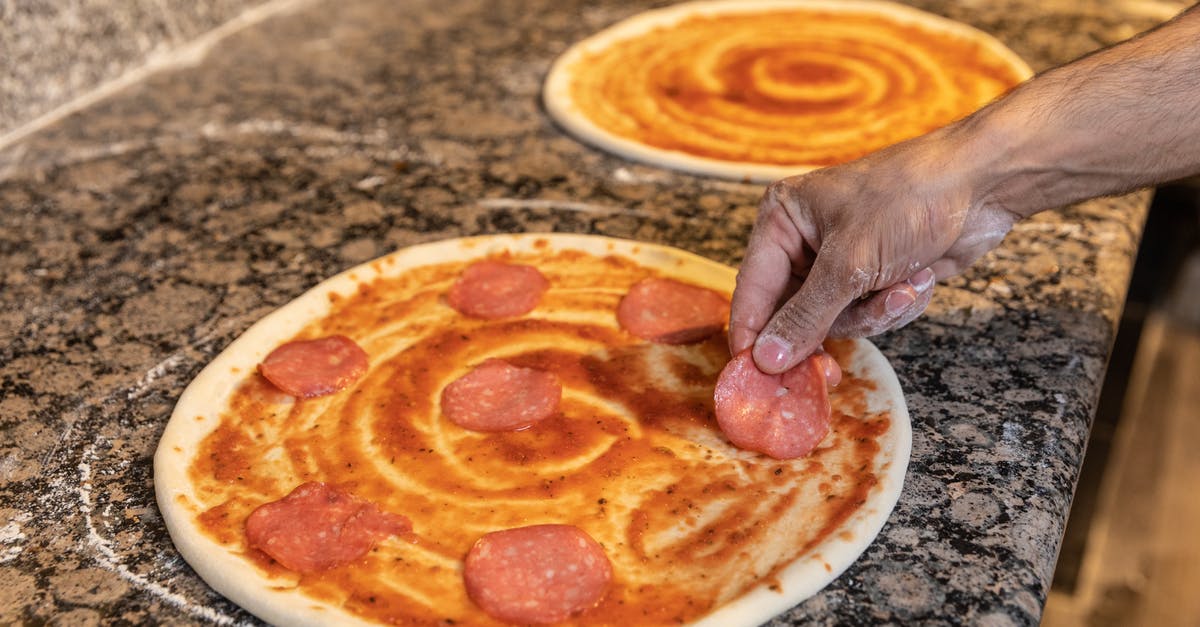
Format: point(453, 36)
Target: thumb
point(799, 327)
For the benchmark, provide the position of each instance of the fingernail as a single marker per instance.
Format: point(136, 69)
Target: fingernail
point(898, 301)
point(772, 352)
point(922, 280)
point(740, 340)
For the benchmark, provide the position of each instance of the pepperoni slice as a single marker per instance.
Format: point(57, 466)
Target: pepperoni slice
point(672, 312)
point(318, 527)
point(784, 415)
point(308, 368)
point(538, 574)
point(498, 396)
point(491, 289)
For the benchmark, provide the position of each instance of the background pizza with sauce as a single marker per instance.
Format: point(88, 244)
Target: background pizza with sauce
point(770, 88)
point(632, 456)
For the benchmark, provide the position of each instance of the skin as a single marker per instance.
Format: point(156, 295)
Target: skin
point(853, 250)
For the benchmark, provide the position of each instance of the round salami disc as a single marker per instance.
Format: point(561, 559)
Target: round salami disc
point(538, 574)
point(492, 289)
point(672, 312)
point(308, 368)
point(784, 415)
point(498, 396)
point(317, 527)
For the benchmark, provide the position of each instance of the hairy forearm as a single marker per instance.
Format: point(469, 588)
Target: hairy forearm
point(1120, 119)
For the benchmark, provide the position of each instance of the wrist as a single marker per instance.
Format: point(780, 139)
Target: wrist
point(1108, 123)
point(1015, 162)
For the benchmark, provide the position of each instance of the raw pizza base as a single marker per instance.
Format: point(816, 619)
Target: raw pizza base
point(563, 108)
point(201, 405)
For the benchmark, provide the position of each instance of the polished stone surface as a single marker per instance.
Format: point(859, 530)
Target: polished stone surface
point(141, 236)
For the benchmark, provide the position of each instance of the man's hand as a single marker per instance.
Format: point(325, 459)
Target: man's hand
point(854, 250)
point(848, 250)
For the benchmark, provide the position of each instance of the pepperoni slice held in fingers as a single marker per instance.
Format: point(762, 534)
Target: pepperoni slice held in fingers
point(672, 312)
point(538, 574)
point(829, 367)
point(784, 415)
point(498, 396)
point(492, 289)
point(317, 527)
point(308, 368)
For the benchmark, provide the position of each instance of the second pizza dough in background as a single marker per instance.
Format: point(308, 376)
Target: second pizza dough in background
point(766, 89)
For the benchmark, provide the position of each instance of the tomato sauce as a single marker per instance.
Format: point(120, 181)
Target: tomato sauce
point(787, 87)
point(633, 455)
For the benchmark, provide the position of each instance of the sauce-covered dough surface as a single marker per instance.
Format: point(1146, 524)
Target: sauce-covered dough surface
point(633, 456)
point(797, 84)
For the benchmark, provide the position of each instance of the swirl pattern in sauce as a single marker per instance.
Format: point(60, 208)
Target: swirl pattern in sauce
point(633, 456)
point(790, 86)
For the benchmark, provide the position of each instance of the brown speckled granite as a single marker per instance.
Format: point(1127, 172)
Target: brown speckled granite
point(141, 236)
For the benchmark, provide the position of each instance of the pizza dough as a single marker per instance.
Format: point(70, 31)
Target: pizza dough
point(632, 456)
point(764, 89)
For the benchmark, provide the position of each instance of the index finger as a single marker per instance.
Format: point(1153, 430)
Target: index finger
point(761, 281)
point(803, 322)
point(775, 249)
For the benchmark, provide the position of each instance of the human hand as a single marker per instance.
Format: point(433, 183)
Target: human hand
point(848, 250)
point(853, 250)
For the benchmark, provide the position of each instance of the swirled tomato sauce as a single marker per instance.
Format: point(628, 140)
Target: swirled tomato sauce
point(633, 455)
point(788, 86)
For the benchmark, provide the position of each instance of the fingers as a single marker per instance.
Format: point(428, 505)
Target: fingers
point(799, 327)
point(980, 232)
point(887, 309)
point(829, 366)
point(913, 312)
point(763, 280)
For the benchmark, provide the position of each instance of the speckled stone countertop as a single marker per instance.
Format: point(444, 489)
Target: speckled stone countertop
point(142, 235)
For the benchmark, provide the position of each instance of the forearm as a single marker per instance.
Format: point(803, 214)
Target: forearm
point(1120, 119)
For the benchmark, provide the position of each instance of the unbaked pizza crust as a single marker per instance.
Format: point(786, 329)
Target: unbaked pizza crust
point(199, 408)
point(561, 105)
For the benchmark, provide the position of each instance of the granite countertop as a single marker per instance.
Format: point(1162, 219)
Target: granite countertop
point(143, 234)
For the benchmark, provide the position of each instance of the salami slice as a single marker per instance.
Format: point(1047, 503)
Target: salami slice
point(491, 289)
point(308, 368)
point(317, 527)
point(538, 574)
point(498, 396)
point(784, 415)
point(672, 312)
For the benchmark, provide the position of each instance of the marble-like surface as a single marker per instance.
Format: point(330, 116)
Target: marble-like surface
point(142, 235)
point(53, 51)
